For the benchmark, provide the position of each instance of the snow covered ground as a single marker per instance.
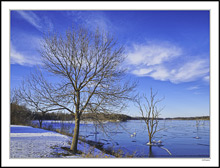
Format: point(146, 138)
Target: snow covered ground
point(29, 142)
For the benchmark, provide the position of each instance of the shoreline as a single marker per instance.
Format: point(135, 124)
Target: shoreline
point(29, 142)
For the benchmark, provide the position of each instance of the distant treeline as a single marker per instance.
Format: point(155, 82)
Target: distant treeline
point(190, 118)
point(123, 117)
point(22, 115)
point(54, 116)
point(142, 118)
point(105, 117)
point(86, 116)
point(177, 118)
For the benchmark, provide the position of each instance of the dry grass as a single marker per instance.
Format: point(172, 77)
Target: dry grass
point(106, 153)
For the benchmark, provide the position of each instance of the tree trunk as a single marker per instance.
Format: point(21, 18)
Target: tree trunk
point(150, 154)
point(40, 121)
point(77, 122)
point(149, 139)
point(75, 135)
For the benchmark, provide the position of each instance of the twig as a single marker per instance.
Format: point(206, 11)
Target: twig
point(166, 150)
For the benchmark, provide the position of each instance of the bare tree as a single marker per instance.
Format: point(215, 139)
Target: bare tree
point(150, 114)
point(32, 93)
point(19, 113)
point(14, 96)
point(91, 78)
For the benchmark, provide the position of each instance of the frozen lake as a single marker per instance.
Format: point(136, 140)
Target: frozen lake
point(180, 138)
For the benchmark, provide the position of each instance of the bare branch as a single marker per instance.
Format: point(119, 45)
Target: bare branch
point(150, 113)
point(90, 77)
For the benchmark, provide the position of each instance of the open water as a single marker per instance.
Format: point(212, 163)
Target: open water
point(179, 138)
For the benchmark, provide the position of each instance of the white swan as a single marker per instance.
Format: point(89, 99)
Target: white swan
point(159, 141)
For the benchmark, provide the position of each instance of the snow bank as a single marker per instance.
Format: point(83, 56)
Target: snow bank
point(29, 142)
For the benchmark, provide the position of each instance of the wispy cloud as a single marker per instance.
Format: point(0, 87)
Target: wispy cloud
point(153, 54)
point(197, 93)
point(143, 71)
point(191, 71)
point(40, 23)
point(91, 19)
point(32, 18)
point(21, 59)
point(193, 88)
point(206, 78)
point(161, 62)
point(17, 57)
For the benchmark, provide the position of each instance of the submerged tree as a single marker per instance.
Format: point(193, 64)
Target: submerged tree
point(150, 114)
point(91, 79)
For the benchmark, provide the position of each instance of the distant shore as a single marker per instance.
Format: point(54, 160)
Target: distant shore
point(177, 118)
point(127, 118)
point(103, 117)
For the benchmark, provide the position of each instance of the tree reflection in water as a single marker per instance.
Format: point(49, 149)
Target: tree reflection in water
point(150, 154)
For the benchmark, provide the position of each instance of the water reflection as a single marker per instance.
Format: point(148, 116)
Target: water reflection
point(182, 138)
point(150, 154)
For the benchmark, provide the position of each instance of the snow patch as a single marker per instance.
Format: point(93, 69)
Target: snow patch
point(29, 142)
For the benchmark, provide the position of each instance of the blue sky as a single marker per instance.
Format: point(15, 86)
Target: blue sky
point(166, 50)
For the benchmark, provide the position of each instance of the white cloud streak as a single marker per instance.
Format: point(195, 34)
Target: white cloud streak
point(40, 23)
point(21, 59)
point(152, 54)
point(191, 71)
point(155, 60)
point(206, 78)
point(141, 72)
point(32, 18)
point(193, 88)
point(92, 20)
